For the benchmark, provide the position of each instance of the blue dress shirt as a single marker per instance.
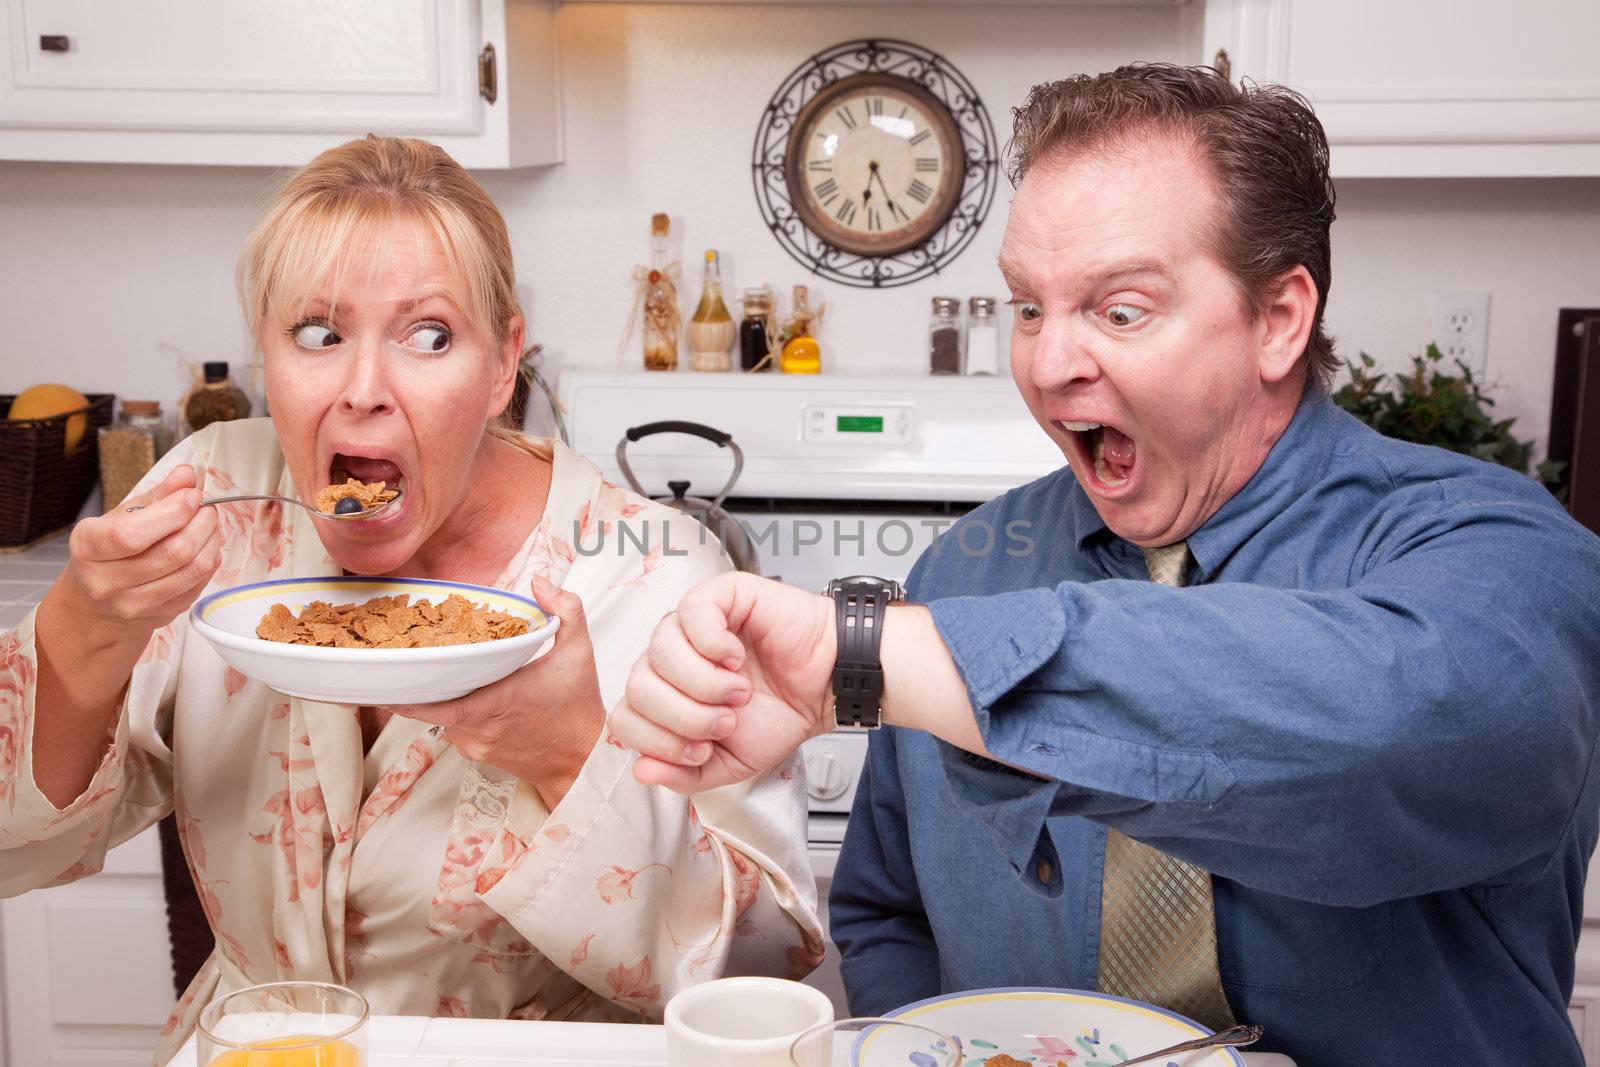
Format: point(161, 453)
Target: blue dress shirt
point(1371, 713)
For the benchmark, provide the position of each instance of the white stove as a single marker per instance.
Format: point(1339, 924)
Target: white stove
point(843, 474)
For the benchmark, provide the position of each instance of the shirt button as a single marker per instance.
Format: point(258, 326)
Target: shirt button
point(1044, 872)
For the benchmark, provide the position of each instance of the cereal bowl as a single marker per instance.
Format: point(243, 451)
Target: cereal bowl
point(372, 676)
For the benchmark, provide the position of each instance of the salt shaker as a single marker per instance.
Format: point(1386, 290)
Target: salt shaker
point(944, 336)
point(983, 337)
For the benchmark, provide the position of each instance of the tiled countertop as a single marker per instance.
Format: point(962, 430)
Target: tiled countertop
point(24, 577)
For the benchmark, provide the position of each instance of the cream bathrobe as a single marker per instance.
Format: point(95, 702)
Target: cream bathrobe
point(431, 884)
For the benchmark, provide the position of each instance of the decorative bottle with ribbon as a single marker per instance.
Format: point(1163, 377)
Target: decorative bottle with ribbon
point(660, 299)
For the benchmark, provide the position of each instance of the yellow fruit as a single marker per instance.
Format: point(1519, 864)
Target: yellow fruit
point(43, 401)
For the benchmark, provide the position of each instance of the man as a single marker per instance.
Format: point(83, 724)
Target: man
point(1329, 771)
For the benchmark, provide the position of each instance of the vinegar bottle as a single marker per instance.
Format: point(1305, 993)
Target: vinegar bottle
point(711, 328)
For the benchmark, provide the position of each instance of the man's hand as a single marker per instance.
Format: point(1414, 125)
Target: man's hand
point(540, 722)
point(732, 683)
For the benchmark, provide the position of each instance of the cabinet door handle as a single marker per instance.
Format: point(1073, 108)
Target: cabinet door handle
point(488, 78)
point(53, 42)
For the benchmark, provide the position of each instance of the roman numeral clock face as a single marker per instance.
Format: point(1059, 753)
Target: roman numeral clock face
point(874, 165)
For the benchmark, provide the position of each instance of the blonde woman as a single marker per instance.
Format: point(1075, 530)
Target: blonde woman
point(490, 857)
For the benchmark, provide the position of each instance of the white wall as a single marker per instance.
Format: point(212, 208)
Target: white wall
point(99, 265)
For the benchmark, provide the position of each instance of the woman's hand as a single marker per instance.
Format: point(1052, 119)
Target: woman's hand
point(539, 723)
point(736, 642)
point(132, 572)
point(129, 574)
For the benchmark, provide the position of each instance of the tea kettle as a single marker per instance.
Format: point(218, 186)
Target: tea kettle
point(710, 513)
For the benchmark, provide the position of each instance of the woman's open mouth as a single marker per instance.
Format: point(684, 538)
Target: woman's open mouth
point(368, 468)
point(1105, 450)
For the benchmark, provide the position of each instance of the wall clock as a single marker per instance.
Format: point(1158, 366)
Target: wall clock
point(875, 163)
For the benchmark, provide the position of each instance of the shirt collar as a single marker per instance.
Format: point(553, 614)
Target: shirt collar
point(1292, 463)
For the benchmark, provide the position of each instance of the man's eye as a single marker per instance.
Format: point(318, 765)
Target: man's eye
point(1028, 311)
point(314, 335)
point(1124, 314)
point(430, 337)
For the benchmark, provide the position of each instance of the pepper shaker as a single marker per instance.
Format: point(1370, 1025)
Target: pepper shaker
point(944, 336)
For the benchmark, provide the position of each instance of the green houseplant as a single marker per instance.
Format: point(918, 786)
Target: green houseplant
point(1434, 406)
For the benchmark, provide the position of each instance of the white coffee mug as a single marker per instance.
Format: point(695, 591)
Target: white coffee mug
point(741, 1022)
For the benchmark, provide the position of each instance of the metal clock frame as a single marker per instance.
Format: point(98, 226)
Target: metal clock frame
point(948, 86)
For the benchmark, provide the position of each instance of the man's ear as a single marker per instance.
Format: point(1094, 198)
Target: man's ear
point(505, 366)
point(1285, 324)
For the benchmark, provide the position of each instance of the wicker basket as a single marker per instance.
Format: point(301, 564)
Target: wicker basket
point(42, 486)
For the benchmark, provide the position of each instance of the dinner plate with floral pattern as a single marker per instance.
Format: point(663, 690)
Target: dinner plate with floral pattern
point(1043, 1027)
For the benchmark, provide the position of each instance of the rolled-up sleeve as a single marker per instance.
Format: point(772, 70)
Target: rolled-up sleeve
point(1265, 734)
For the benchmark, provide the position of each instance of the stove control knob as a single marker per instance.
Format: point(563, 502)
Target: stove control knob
point(826, 778)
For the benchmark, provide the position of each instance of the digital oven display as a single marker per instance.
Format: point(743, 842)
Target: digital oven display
point(859, 424)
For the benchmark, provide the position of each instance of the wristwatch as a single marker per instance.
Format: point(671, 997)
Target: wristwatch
point(860, 602)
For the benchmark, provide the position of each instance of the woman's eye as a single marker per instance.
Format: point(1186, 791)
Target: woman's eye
point(1124, 314)
point(314, 335)
point(1028, 312)
point(430, 337)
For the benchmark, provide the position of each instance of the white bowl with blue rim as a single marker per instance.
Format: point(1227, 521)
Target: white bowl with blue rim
point(1038, 1026)
point(373, 676)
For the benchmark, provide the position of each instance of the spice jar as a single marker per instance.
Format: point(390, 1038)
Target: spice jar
point(756, 332)
point(129, 448)
point(983, 337)
point(215, 399)
point(944, 336)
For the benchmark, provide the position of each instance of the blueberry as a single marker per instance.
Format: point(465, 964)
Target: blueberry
point(347, 505)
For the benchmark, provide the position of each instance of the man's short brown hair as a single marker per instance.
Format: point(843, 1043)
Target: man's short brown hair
point(1267, 151)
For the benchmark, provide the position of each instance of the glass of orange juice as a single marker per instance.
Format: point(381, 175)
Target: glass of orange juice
point(284, 1024)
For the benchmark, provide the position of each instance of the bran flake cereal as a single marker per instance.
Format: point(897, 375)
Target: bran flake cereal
point(389, 622)
point(369, 494)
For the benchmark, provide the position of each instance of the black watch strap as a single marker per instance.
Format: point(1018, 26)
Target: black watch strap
point(860, 603)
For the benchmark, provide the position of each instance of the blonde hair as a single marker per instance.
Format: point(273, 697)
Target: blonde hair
point(364, 186)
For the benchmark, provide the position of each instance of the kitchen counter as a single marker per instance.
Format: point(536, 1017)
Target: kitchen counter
point(24, 577)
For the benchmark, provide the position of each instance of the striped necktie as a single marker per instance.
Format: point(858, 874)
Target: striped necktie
point(1158, 931)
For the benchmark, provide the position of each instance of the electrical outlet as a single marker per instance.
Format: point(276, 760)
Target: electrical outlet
point(1461, 327)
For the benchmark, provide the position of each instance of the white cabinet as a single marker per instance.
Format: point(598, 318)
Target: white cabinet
point(1430, 88)
point(196, 81)
point(87, 972)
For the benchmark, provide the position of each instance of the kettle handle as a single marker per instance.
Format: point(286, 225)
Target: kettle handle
point(717, 437)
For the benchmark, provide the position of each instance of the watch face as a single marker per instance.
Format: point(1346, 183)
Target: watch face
point(874, 164)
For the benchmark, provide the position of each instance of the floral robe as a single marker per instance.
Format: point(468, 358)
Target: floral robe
point(433, 885)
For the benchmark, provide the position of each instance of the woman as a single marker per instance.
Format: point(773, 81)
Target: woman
point(490, 857)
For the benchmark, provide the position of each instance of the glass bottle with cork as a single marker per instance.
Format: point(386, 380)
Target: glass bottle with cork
point(661, 316)
point(213, 399)
point(756, 332)
point(801, 354)
point(711, 329)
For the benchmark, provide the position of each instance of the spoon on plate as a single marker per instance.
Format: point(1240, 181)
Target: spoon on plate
point(356, 514)
point(1235, 1037)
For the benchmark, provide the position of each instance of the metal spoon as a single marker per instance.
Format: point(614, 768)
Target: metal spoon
point(348, 516)
point(1236, 1037)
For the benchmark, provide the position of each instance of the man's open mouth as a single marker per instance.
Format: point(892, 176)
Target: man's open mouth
point(1106, 450)
point(365, 469)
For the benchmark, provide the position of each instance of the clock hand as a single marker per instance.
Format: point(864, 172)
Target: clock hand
point(887, 199)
